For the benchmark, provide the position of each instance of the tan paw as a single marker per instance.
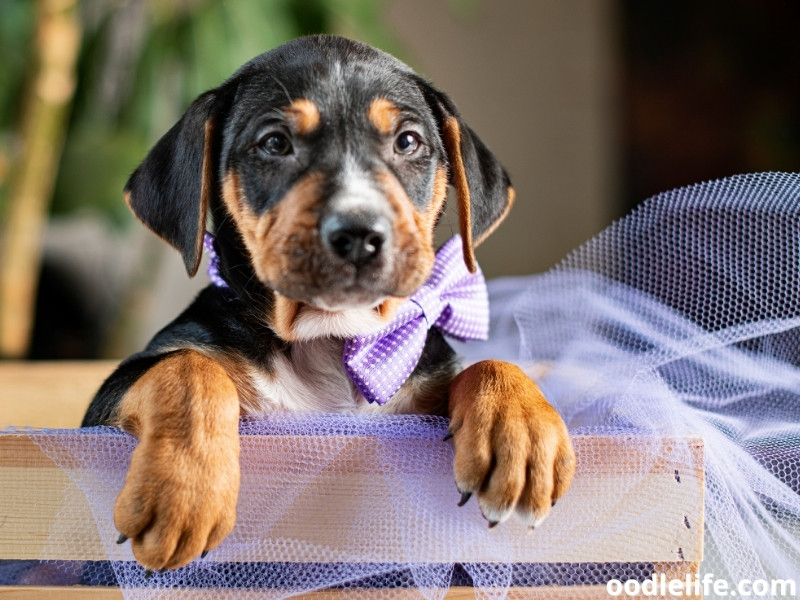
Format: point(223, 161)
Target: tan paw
point(512, 448)
point(176, 504)
point(180, 493)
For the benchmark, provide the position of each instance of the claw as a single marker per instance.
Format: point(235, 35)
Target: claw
point(465, 496)
point(148, 573)
point(448, 436)
point(493, 524)
point(553, 504)
point(204, 553)
point(122, 538)
point(531, 529)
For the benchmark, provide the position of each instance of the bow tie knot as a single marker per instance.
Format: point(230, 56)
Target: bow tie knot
point(453, 300)
point(430, 303)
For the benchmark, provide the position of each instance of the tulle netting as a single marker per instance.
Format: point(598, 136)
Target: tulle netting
point(679, 320)
point(682, 318)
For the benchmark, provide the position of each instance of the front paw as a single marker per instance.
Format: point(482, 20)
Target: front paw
point(512, 448)
point(179, 499)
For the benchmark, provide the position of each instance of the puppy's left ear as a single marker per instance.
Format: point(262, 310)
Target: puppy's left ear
point(169, 192)
point(482, 185)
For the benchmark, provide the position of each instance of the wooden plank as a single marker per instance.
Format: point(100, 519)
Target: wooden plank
point(455, 593)
point(581, 592)
point(632, 500)
point(76, 592)
point(48, 394)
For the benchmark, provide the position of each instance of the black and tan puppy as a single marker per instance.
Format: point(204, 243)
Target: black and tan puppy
point(322, 166)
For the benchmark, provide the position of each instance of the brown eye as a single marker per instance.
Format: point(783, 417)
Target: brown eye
point(406, 143)
point(275, 144)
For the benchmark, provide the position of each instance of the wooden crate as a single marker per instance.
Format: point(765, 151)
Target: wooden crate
point(668, 498)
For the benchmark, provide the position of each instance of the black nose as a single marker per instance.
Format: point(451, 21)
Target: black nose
point(358, 239)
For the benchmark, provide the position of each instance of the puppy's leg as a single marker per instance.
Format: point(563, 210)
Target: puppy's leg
point(512, 448)
point(179, 497)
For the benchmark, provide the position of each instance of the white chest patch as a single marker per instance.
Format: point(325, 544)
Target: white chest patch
point(313, 379)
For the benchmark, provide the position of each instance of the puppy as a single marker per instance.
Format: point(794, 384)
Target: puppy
point(322, 166)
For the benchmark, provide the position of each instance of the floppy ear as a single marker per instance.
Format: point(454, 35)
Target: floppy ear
point(482, 186)
point(169, 192)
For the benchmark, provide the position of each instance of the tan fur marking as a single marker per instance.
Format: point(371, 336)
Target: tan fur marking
point(439, 196)
point(304, 114)
point(266, 238)
point(180, 492)
point(452, 142)
point(388, 307)
point(413, 236)
point(423, 223)
point(292, 227)
point(205, 190)
point(274, 238)
point(248, 223)
point(384, 115)
point(284, 313)
point(500, 219)
point(500, 416)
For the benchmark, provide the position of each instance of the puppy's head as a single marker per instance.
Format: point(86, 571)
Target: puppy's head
point(325, 164)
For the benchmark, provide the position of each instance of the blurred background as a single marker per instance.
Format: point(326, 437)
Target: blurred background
point(592, 105)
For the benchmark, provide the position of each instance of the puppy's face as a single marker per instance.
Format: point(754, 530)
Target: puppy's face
point(325, 165)
point(334, 171)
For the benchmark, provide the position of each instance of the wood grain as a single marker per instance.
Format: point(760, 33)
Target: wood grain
point(582, 592)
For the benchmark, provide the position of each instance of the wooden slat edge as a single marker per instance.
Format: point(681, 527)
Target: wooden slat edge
point(578, 592)
point(20, 449)
point(77, 592)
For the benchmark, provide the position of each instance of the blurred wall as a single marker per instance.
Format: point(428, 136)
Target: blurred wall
point(536, 80)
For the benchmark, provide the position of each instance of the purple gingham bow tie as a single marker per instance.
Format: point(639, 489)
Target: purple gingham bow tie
point(452, 300)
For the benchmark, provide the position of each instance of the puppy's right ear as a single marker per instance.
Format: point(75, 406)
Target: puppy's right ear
point(169, 192)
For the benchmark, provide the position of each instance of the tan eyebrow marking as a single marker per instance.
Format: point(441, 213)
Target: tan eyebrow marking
point(384, 115)
point(304, 114)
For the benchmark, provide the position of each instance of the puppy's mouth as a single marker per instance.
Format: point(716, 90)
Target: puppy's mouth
point(333, 297)
point(347, 300)
point(339, 302)
point(337, 288)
